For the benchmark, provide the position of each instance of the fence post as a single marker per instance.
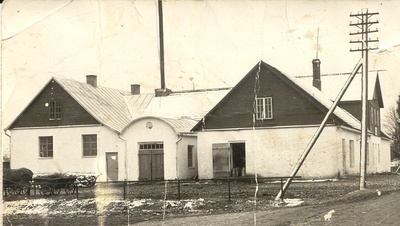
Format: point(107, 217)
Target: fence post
point(229, 189)
point(77, 186)
point(179, 190)
point(282, 188)
point(124, 189)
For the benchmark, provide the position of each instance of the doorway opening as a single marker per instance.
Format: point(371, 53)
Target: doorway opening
point(238, 159)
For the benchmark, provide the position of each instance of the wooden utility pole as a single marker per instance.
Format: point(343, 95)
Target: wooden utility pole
point(318, 132)
point(363, 23)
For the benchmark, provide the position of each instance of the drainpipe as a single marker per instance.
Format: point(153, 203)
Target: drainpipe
point(125, 156)
point(176, 155)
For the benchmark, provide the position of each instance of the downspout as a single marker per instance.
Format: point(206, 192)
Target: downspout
point(125, 156)
point(176, 155)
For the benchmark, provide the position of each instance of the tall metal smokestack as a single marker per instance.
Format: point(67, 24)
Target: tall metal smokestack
point(316, 73)
point(160, 19)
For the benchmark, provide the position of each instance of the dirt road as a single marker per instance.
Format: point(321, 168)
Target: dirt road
point(361, 208)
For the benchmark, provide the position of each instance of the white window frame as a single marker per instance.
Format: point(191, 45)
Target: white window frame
point(264, 108)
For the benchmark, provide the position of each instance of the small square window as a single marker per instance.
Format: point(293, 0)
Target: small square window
point(45, 147)
point(89, 145)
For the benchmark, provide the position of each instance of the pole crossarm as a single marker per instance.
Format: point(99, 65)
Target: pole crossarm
point(363, 24)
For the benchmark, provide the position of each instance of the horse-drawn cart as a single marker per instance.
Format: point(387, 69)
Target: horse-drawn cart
point(53, 185)
point(17, 181)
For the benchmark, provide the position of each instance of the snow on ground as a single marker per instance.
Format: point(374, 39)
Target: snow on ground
point(293, 202)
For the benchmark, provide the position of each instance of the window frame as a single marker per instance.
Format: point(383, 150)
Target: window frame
point(352, 153)
point(264, 108)
point(46, 147)
point(55, 110)
point(89, 151)
point(190, 156)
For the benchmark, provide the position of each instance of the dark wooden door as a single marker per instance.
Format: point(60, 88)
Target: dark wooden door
point(151, 165)
point(112, 166)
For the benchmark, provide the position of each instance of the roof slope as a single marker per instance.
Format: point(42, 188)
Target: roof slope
point(310, 91)
point(331, 85)
point(106, 105)
point(190, 104)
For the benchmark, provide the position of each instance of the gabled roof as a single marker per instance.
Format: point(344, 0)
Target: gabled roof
point(309, 91)
point(106, 105)
point(331, 85)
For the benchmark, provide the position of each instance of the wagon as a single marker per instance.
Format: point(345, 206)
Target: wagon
point(53, 186)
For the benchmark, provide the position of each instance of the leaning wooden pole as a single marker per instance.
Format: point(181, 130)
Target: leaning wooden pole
point(318, 132)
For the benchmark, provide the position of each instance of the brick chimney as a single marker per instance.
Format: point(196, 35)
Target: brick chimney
point(316, 73)
point(91, 80)
point(163, 92)
point(135, 89)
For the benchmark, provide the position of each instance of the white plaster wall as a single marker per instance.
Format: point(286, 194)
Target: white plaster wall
point(67, 147)
point(385, 158)
point(186, 172)
point(161, 132)
point(347, 136)
point(275, 152)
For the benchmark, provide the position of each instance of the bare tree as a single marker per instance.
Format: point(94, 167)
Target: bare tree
point(392, 126)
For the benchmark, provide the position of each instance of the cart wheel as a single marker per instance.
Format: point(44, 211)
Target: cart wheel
point(56, 190)
point(45, 190)
point(70, 188)
point(13, 190)
point(25, 190)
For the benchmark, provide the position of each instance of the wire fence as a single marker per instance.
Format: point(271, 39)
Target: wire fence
point(224, 188)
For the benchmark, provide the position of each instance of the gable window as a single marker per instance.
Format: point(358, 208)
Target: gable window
point(89, 145)
point(190, 155)
point(45, 147)
point(264, 108)
point(55, 110)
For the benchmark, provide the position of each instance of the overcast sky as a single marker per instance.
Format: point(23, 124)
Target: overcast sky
point(208, 44)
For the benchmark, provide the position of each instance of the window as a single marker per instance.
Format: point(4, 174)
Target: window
point(190, 156)
point(55, 110)
point(89, 145)
point(264, 108)
point(151, 146)
point(45, 147)
point(351, 150)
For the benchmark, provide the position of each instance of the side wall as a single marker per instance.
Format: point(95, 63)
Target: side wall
point(275, 152)
point(186, 172)
point(67, 151)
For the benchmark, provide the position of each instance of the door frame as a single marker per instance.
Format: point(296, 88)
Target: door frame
point(107, 168)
